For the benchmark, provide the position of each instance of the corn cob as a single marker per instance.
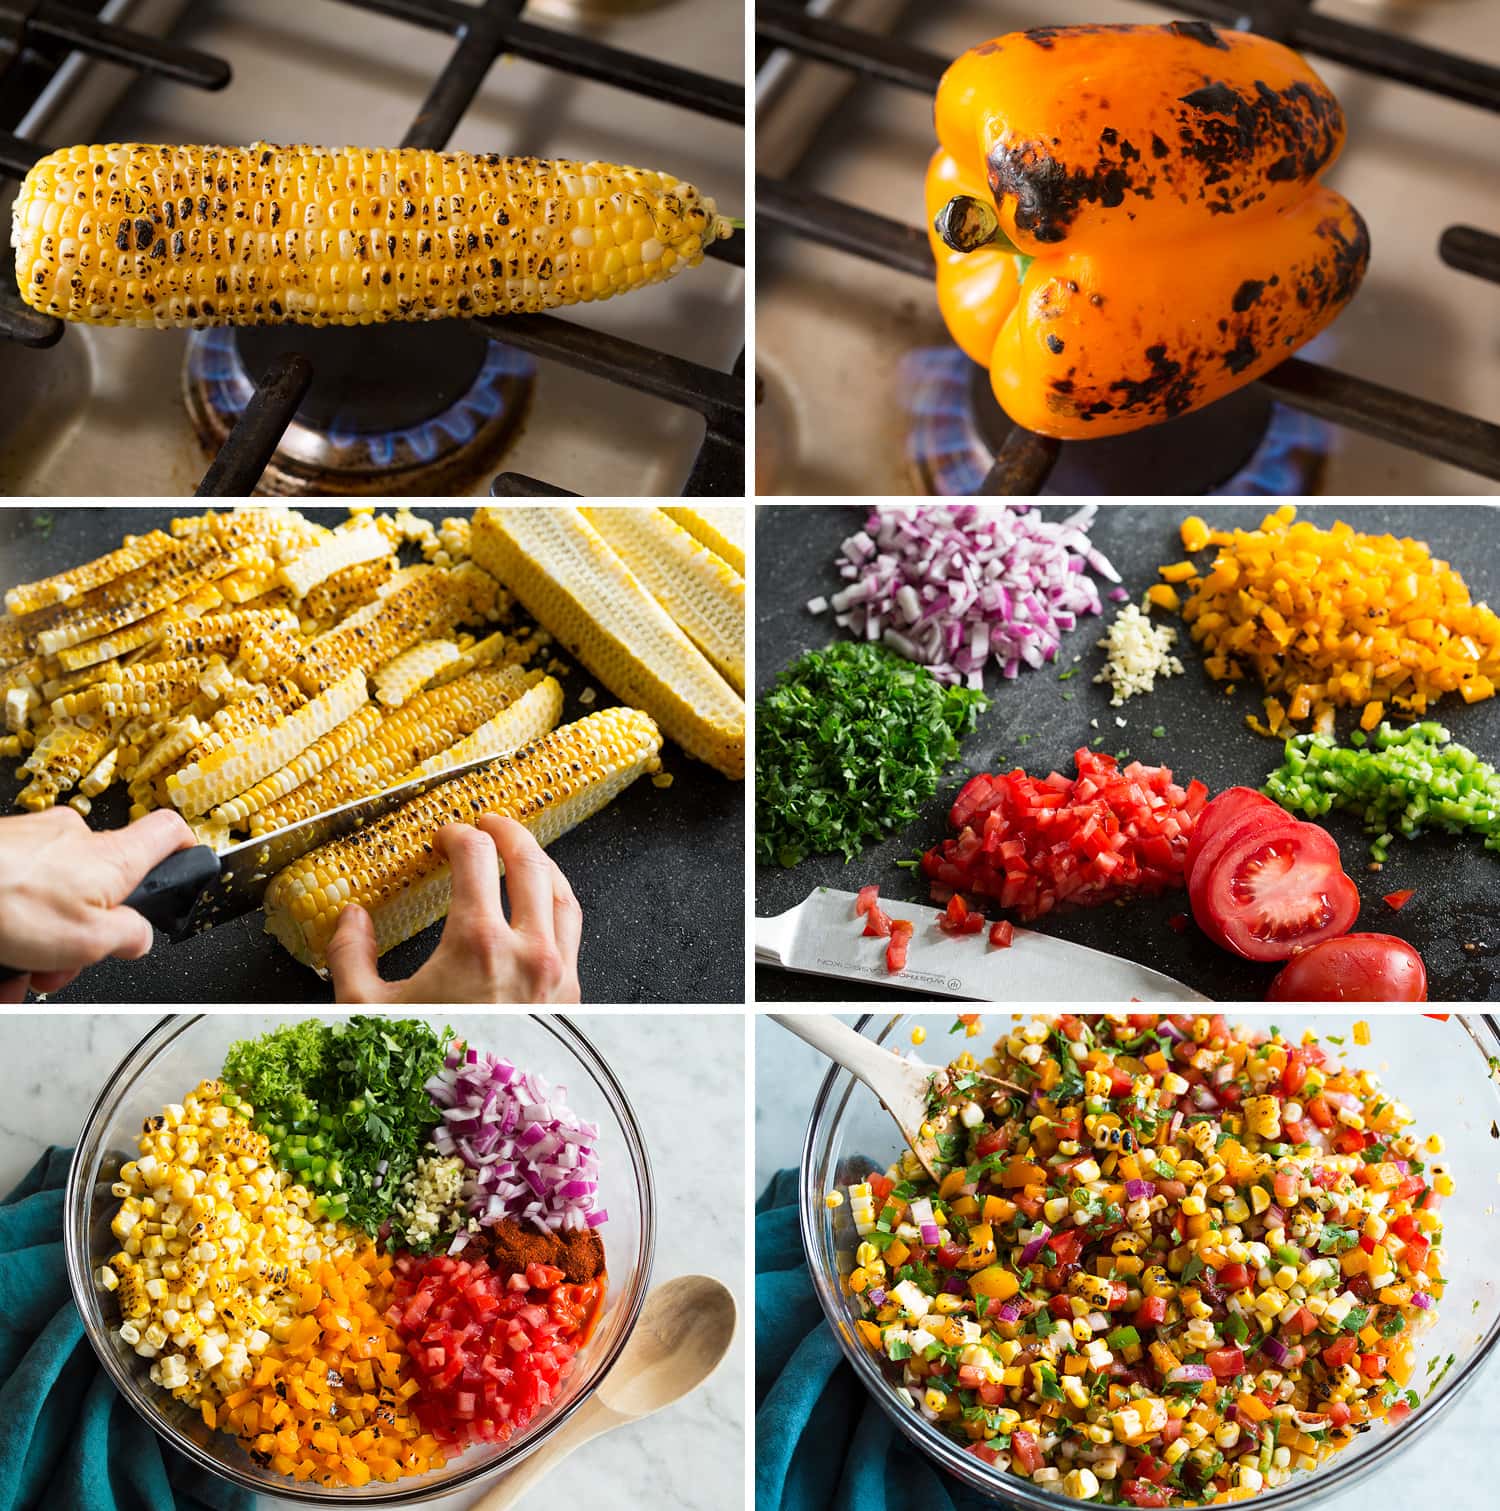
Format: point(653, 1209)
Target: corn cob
point(530, 717)
point(63, 587)
point(262, 235)
point(720, 527)
point(342, 550)
point(429, 723)
point(72, 682)
point(559, 566)
point(143, 632)
point(349, 590)
point(220, 634)
point(102, 775)
point(420, 602)
point(322, 753)
point(202, 785)
point(397, 680)
point(498, 649)
point(61, 760)
point(151, 689)
point(391, 868)
point(698, 589)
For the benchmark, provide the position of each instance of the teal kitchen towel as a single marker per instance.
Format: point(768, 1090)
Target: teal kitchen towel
point(69, 1441)
point(821, 1441)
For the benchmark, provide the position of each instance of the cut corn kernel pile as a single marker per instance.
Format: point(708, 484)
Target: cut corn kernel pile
point(1325, 619)
point(1196, 1261)
point(334, 1359)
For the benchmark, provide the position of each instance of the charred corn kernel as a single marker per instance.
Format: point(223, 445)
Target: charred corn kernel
point(172, 236)
point(336, 553)
point(348, 590)
point(564, 572)
point(64, 587)
point(700, 591)
point(834, 1199)
point(1094, 1289)
point(919, 1035)
point(1361, 1028)
point(390, 868)
point(200, 786)
point(535, 712)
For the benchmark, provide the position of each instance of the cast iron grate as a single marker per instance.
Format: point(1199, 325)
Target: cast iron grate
point(1026, 460)
point(481, 33)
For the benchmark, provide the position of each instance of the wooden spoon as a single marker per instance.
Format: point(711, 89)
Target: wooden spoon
point(905, 1087)
point(685, 1328)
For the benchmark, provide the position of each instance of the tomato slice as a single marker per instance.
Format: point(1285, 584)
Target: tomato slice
point(1224, 809)
point(1272, 890)
point(1355, 968)
point(1265, 818)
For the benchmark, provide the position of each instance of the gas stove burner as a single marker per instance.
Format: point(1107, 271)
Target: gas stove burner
point(407, 410)
point(1243, 444)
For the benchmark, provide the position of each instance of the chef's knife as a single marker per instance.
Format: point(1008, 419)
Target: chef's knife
point(823, 936)
point(196, 889)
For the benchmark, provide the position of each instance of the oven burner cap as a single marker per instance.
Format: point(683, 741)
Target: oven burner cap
point(395, 409)
point(1243, 444)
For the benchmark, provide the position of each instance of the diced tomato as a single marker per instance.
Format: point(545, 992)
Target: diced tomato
point(881, 1186)
point(1234, 1277)
point(1067, 1246)
point(948, 1255)
point(1172, 1431)
point(1071, 1027)
point(1285, 1183)
point(1294, 1073)
point(1152, 1311)
point(954, 914)
point(1338, 1414)
point(1348, 1141)
point(1143, 1493)
point(1225, 1362)
point(1320, 1112)
point(895, 951)
point(1025, 1451)
point(1398, 1413)
point(866, 899)
point(1398, 900)
point(1340, 1352)
point(1408, 1188)
point(1060, 1306)
point(1002, 933)
point(992, 1393)
point(1119, 1082)
point(984, 1452)
point(1371, 1366)
point(877, 924)
point(1305, 1322)
point(1414, 1255)
point(991, 1142)
point(1152, 1470)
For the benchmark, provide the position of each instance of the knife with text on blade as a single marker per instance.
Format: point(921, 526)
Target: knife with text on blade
point(196, 889)
point(822, 936)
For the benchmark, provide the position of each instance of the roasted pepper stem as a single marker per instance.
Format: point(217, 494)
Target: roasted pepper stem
point(1157, 190)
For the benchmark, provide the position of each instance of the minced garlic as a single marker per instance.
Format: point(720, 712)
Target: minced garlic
point(1138, 653)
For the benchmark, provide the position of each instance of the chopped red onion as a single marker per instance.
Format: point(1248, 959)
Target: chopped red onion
point(1010, 1312)
point(529, 1156)
point(876, 1297)
point(1138, 1190)
point(1277, 1351)
point(1421, 1300)
point(956, 1285)
point(953, 586)
point(930, 1235)
point(1189, 1374)
point(1032, 1249)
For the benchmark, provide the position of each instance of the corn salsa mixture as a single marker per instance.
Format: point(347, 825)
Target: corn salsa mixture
point(1185, 1262)
point(388, 1255)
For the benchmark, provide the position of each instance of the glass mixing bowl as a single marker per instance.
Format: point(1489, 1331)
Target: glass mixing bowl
point(181, 1051)
point(1440, 1070)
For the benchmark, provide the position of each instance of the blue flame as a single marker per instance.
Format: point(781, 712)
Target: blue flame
point(944, 446)
point(214, 365)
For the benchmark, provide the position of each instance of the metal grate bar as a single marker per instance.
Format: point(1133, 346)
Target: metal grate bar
point(1431, 429)
point(713, 394)
point(18, 321)
point(18, 156)
point(433, 15)
point(258, 431)
point(519, 485)
point(1388, 414)
point(1471, 251)
point(1022, 465)
point(118, 44)
point(876, 56)
point(834, 223)
point(454, 91)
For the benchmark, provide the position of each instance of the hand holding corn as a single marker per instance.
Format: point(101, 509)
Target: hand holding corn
point(170, 237)
point(61, 886)
point(481, 957)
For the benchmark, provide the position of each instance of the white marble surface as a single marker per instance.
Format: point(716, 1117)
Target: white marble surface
point(682, 1072)
point(1447, 1472)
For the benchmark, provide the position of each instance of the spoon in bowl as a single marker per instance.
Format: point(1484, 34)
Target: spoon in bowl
point(685, 1328)
point(907, 1089)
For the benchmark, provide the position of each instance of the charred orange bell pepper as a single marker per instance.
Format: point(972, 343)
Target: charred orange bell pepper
point(1128, 222)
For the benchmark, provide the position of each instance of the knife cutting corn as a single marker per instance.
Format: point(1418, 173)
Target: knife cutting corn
point(175, 237)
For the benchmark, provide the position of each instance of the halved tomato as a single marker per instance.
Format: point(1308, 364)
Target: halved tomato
point(1227, 806)
point(1267, 889)
point(1355, 968)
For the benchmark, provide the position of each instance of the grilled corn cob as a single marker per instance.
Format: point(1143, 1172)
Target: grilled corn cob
point(700, 591)
point(64, 587)
point(397, 680)
point(560, 567)
point(263, 235)
point(391, 868)
point(239, 764)
point(721, 527)
point(530, 717)
point(342, 550)
point(349, 590)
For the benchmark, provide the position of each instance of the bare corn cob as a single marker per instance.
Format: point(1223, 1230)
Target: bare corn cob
point(530, 717)
point(321, 754)
point(421, 601)
point(261, 235)
point(343, 549)
point(63, 587)
point(560, 567)
point(702, 592)
point(349, 590)
point(429, 723)
point(391, 868)
point(409, 672)
point(202, 785)
point(721, 527)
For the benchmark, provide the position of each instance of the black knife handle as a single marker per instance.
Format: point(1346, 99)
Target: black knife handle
point(166, 894)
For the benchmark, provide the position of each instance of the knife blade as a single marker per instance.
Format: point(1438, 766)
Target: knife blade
point(822, 936)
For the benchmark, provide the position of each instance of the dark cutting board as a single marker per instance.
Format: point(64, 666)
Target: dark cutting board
point(658, 873)
point(1030, 724)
